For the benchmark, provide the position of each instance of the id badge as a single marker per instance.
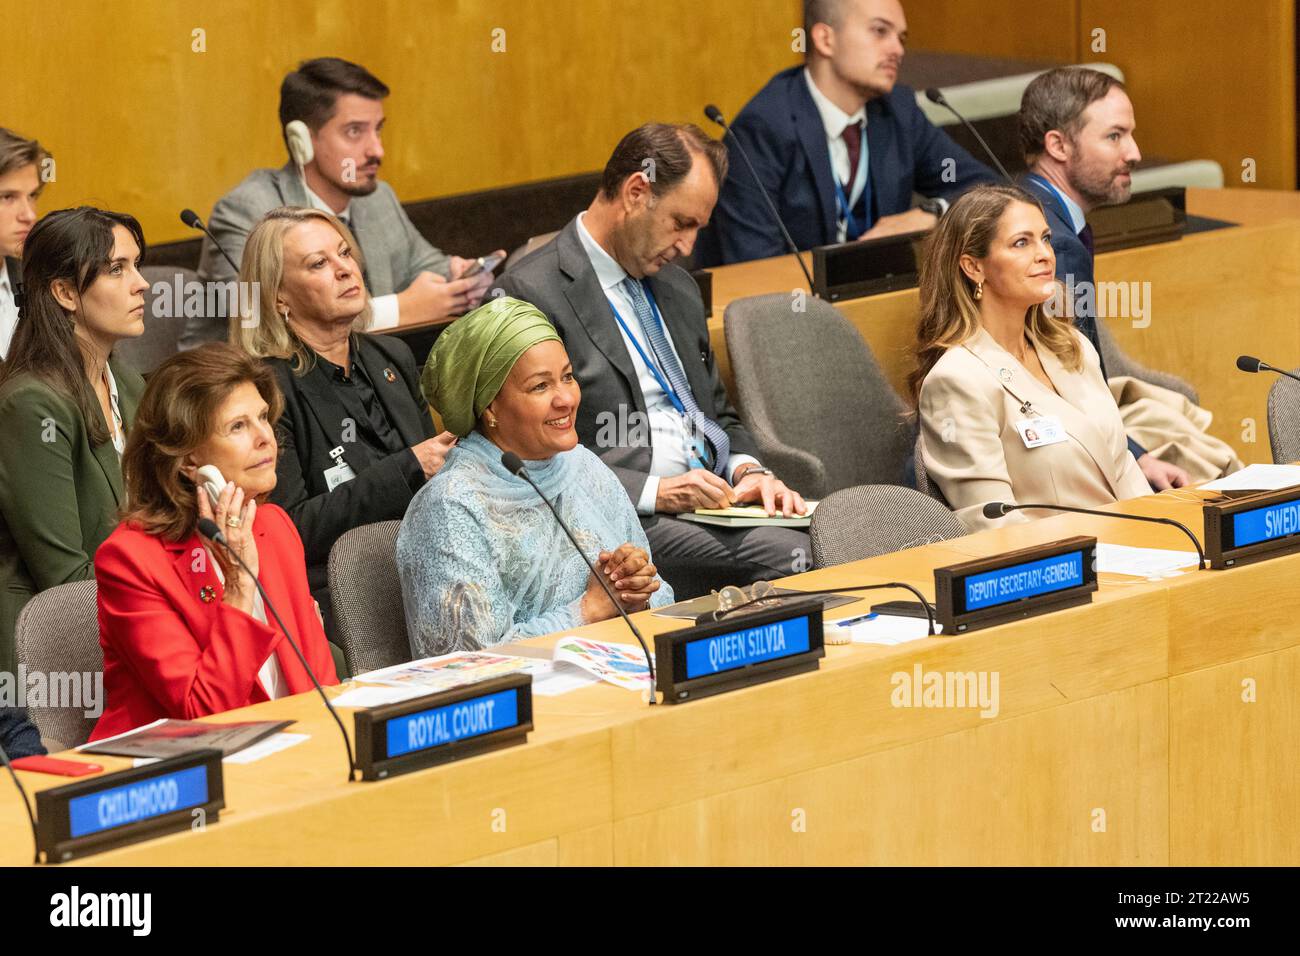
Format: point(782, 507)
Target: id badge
point(1044, 430)
point(697, 454)
point(337, 475)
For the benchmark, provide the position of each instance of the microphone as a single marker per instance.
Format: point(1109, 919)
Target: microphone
point(929, 611)
point(1248, 363)
point(191, 219)
point(715, 114)
point(514, 464)
point(935, 95)
point(996, 509)
point(27, 804)
point(208, 528)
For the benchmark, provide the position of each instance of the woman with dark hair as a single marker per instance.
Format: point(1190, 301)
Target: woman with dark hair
point(184, 630)
point(1012, 403)
point(66, 403)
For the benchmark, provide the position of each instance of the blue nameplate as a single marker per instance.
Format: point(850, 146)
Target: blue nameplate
point(744, 648)
point(1252, 528)
point(448, 725)
point(178, 793)
point(1015, 585)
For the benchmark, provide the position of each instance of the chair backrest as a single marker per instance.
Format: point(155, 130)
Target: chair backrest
point(1118, 363)
point(1284, 419)
point(808, 380)
point(58, 636)
point(923, 482)
point(366, 592)
point(870, 520)
point(532, 245)
point(164, 317)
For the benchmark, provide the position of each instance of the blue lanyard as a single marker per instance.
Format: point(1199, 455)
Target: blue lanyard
point(1069, 215)
point(653, 366)
point(852, 229)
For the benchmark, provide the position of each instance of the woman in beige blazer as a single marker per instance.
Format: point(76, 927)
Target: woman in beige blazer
point(1011, 399)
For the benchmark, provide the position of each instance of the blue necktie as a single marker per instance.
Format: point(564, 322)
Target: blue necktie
point(660, 348)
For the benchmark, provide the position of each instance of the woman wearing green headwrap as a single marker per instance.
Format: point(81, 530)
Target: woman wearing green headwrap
point(481, 558)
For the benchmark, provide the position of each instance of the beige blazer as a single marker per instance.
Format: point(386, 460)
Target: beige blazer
point(969, 404)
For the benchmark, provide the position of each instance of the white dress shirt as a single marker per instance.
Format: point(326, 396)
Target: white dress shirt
point(835, 121)
point(667, 445)
point(269, 674)
point(8, 311)
point(383, 308)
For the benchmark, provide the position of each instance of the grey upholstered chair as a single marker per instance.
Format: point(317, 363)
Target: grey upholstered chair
point(870, 520)
point(923, 482)
point(162, 333)
point(1284, 419)
point(814, 397)
point(366, 592)
point(58, 635)
point(1119, 364)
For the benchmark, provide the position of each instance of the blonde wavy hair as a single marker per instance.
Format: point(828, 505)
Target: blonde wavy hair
point(949, 311)
point(266, 334)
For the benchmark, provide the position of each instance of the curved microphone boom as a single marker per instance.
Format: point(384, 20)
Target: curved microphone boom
point(191, 219)
point(715, 114)
point(1248, 363)
point(515, 465)
point(209, 529)
point(935, 95)
point(27, 804)
point(996, 509)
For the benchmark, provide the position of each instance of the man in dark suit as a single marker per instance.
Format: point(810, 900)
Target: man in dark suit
point(1076, 131)
point(653, 404)
point(332, 116)
point(838, 144)
point(21, 183)
point(18, 735)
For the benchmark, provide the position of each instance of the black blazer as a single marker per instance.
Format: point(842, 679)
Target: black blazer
point(314, 423)
point(784, 136)
point(561, 281)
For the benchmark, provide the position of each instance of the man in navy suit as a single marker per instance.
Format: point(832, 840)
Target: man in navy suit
point(1076, 131)
point(838, 144)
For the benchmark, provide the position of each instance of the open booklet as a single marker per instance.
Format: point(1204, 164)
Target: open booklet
point(748, 516)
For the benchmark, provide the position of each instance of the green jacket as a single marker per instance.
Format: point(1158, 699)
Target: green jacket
point(59, 498)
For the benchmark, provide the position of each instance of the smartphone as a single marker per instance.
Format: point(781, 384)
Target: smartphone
point(482, 263)
point(901, 608)
point(211, 479)
point(60, 768)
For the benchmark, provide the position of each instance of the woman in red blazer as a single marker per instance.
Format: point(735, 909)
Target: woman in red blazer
point(182, 627)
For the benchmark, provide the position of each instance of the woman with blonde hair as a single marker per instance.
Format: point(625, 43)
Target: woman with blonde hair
point(1012, 403)
point(357, 439)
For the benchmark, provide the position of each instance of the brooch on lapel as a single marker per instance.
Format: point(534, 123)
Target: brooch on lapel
point(1004, 374)
point(388, 374)
point(207, 594)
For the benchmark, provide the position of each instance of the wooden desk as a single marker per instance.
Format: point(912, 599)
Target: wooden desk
point(1121, 737)
point(1213, 296)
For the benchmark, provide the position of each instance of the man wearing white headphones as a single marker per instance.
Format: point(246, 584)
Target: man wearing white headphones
point(332, 115)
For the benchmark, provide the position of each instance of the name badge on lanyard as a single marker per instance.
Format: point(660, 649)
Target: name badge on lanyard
point(1043, 430)
point(341, 471)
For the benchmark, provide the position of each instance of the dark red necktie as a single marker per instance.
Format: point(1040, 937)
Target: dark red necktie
point(852, 137)
point(1085, 236)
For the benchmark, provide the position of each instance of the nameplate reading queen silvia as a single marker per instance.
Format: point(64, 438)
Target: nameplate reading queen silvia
point(90, 816)
point(1015, 585)
point(448, 725)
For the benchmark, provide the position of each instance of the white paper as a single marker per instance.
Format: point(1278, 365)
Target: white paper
point(1142, 562)
point(1257, 478)
point(622, 665)
point(886, 629)
point(376, 696)
point(104, 740)
point(553, 678)
point(265, 747)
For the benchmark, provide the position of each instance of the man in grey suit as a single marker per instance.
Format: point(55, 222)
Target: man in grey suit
point(332, 116)
point(653, 404)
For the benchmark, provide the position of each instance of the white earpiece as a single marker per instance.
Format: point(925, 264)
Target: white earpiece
point(298, 136)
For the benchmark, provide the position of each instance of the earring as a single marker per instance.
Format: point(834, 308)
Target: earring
point(979, 291)
point(492, 423)
point(285, 313)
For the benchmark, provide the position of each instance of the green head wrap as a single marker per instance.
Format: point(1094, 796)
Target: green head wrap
point(472, 358)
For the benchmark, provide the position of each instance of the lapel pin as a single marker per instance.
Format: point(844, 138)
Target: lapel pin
point(1004, 374)
point(388, 374)
point(207, 594)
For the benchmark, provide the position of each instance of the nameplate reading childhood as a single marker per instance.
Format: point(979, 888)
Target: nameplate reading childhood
point(1252, 528)
point(1015, 585)
point(131, 805)
point(445, 726)
point(739, 650)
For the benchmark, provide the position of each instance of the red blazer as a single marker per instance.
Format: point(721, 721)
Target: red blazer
point(169, 653)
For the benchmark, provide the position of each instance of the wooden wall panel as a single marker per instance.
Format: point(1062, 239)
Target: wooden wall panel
point(1008, 29)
